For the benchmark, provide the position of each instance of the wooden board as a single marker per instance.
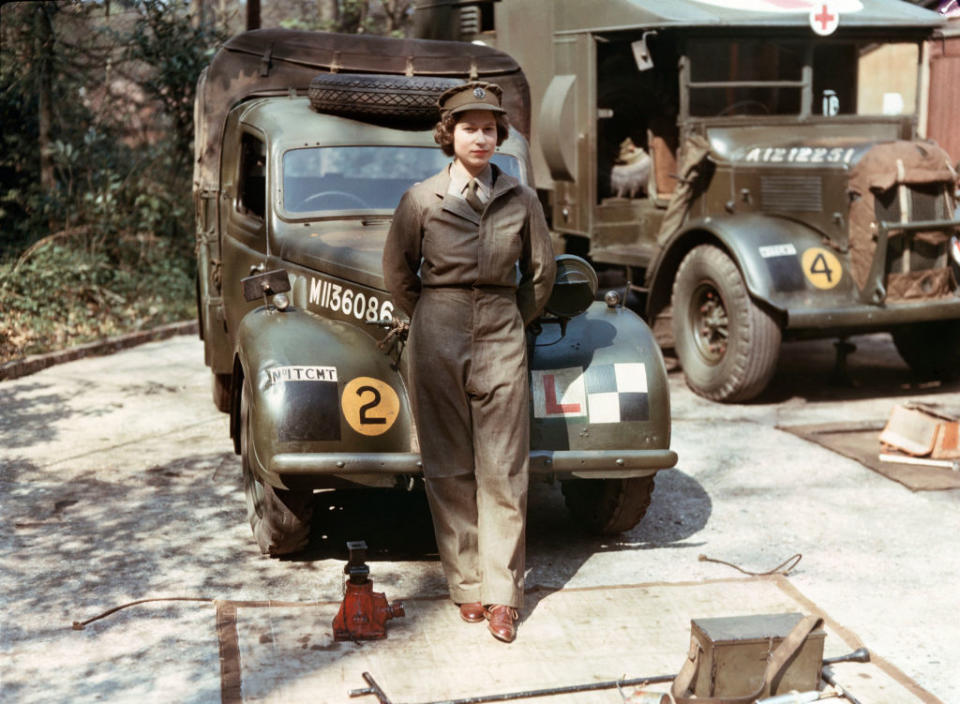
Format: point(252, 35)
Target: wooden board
point(860, 441)
point(272, 652)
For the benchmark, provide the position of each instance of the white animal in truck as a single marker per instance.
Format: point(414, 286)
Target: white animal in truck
point(631, 171)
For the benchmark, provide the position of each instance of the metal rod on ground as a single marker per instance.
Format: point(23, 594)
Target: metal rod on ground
point(859, 655)
point(570, 689)
point(374, 689)
point(828, 677)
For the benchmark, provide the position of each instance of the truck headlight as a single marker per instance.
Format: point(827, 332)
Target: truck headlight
point(574, 287)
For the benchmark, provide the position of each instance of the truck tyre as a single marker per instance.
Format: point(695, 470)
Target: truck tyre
point(931, 350)
point(608, 506)
point(280, 519)
point(397, 101)
point(221, 391)
point(199, 309)
point(727, 344)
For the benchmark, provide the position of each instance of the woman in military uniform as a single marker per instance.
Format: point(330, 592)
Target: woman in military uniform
point(450, 263)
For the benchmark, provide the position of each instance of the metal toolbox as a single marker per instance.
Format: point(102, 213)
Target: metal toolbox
point(734, 652)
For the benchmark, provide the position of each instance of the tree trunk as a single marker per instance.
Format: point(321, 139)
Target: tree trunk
point(44, 95)
point(196, 13)
point(395, 11)
point(328, 12)
point(253, 14)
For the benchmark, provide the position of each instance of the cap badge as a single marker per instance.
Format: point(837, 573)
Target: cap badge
point(479, 92)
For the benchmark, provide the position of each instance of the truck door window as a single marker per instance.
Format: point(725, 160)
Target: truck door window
point(728, 77)
point(834, 79)
point(253, 176)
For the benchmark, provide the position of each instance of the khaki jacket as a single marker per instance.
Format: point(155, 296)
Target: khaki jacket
point(440, 236)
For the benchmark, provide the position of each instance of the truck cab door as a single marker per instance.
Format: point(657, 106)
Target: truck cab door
point(244, 208)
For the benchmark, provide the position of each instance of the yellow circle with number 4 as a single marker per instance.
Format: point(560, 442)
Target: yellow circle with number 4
point(821, 267)
point(370, 406)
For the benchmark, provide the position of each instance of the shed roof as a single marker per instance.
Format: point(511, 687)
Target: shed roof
point(578, 16)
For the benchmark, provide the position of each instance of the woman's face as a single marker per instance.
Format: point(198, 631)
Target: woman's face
point(475, 139)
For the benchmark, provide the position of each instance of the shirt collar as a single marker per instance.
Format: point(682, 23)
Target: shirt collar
point(460, 177)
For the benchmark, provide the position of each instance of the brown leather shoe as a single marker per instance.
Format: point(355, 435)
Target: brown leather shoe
point(502, 622)
point(472, 612)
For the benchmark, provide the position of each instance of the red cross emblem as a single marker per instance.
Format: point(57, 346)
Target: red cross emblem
point(824, 19)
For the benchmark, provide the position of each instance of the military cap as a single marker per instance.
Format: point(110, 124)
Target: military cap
point(475, 95)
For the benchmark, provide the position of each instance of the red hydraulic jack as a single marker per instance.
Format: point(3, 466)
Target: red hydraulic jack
point(364, 613)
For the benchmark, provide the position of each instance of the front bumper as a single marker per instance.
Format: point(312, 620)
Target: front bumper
point(873, 311)
point(871, 317)
point(588, 464)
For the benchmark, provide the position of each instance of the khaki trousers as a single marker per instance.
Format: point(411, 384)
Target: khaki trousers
point(470, 396)
point(480, 524)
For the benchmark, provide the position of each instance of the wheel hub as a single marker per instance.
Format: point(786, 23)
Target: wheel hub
point(710, 322)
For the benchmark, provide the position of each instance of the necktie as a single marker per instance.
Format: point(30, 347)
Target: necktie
point(472, 198)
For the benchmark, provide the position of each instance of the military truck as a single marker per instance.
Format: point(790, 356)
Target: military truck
point(785, 192)
point(305, 143)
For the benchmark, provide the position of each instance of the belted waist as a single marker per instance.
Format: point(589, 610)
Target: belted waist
point(467, 287)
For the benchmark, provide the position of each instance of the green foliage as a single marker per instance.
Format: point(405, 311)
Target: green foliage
point(68, 290)
point(384, 17)
point(106, 244)
point(176, 51)
point(96, 159)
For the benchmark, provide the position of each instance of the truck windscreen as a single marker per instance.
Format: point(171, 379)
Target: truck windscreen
point(321, 179)
point(765, 77)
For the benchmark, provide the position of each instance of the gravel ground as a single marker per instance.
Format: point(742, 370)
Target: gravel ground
point(118, 482)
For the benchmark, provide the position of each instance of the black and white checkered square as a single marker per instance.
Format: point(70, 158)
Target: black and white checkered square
point(617, 392)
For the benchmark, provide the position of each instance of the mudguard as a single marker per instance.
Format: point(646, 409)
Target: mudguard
point(784, 263)
point(601, 387)
point(318, 387)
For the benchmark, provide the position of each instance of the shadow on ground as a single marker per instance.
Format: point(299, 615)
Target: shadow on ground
point(31, 411)
point(395, 524)
point(810, 370)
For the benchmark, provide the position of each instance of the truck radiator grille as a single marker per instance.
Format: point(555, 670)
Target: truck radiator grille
point(927, 202)
point(791, 193)
point(917, 265)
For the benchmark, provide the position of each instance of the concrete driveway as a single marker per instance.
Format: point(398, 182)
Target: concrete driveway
point(118, 483)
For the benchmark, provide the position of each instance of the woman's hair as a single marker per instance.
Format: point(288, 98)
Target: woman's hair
point(443, 132)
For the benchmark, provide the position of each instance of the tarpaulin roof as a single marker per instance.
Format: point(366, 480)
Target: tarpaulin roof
point(266, 62)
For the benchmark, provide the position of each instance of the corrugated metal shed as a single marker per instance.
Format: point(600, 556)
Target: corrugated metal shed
point(944, 97)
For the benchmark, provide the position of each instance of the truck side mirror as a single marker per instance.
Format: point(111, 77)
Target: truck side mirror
point(265, 284)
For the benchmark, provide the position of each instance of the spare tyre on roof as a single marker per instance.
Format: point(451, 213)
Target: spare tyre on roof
point(395, 101)
point(270, 62)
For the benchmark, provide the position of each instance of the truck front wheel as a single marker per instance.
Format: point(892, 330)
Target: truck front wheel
point(931, 350)
point(727, 345)
point(608, 506)
point(280, 519)
point(222, 391)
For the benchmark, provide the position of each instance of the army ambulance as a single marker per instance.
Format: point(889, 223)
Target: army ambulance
point(753, 166)
point(305, 143)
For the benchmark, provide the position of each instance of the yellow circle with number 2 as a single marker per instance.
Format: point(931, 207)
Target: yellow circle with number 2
point(821, 267)
point(370, 406)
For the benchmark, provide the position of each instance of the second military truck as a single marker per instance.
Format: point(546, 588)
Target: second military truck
point(753, 167)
